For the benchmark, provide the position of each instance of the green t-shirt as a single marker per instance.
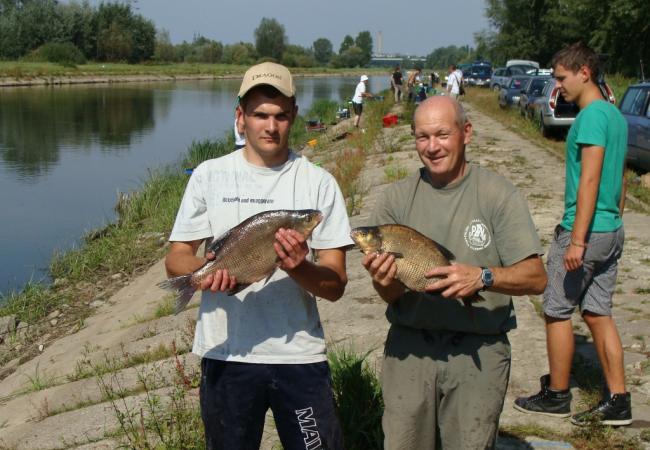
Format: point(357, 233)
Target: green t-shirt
point(600, 124)
point(484, 221)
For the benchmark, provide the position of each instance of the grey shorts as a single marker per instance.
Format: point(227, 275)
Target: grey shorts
point(443, 389)
point(592, 286)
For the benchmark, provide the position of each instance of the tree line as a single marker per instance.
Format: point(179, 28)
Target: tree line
point(46, 30)
point(536, 29)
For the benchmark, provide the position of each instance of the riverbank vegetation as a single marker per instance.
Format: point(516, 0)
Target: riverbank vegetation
point(70, 33)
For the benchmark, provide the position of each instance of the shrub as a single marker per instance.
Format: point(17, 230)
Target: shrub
point(64, 53)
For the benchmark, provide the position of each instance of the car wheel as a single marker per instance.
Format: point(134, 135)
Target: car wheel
point(496, 87)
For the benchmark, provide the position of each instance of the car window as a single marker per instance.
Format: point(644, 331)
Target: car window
point(634, 101)
point(537, 86)
point(517, 83)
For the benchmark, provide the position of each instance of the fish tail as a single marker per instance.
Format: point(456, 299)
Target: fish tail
point(183, 287)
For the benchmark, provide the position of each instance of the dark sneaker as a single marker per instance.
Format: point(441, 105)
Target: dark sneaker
point(546, 401)
point(616, 411)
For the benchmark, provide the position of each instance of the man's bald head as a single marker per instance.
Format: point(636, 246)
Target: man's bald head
point(441, 102)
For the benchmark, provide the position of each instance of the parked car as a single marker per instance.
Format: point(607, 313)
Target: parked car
point(635, 107)
point(509, 95)
point(501, 76)
point(479, 74)
point(554, 114)
point(533, 90)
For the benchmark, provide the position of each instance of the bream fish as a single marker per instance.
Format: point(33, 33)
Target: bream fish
point(415, 254)
point(246, 251)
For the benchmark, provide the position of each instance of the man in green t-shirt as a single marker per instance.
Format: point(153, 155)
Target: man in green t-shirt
point(582, 261)
point(445, 369)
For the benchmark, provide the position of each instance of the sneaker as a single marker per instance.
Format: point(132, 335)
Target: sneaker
point(616, 411)
point(546, 401)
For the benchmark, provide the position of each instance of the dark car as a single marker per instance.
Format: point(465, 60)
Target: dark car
point(509, 95)
point(479, 74)
point(533, 90)
point(635, 107)
point(554, 114)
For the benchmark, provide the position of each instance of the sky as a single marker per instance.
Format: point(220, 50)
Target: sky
point(414, 27)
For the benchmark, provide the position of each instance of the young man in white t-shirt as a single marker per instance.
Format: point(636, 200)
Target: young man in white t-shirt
point(264, 347)
point(357, 100)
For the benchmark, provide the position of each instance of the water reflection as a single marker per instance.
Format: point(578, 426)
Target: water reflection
point(34, 124)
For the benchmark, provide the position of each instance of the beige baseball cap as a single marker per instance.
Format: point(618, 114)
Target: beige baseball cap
point(269, 73)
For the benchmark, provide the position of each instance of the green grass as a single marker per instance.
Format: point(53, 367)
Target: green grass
point(358, 398)
point(394, 173)
point(28, 70)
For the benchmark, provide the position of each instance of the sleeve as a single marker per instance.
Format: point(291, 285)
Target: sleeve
point(192, 220)
point(593, 129)
point(334, 230)
point(515, 234)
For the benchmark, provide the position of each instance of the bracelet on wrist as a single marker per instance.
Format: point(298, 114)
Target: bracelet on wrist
point(578, 244)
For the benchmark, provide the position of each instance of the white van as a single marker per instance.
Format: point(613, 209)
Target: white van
point(522, 62)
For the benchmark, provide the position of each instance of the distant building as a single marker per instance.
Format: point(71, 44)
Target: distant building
point(386, 60)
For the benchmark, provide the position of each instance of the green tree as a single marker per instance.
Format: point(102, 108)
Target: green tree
point(81, 27)
point(352, 57)
point(346, 44)
point(364, 42)
point(25, 26)
point(240, 53)
point(270, 39)
point(164, 49)
point(297, 56)
point(323, 51)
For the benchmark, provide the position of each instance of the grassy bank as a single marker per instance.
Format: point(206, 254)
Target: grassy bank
point(28, 70)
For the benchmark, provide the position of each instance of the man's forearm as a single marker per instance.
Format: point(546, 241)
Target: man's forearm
point(321, 281)
point(390, 293)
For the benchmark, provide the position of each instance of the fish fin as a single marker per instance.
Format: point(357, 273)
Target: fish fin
point(183, 287)
point(238, 287)
point(218, 243)
point(446, 253)
point(396, 254)
point(269, 277)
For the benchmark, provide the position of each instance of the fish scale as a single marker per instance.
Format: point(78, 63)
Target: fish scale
point(246, 251)
point(417, 254)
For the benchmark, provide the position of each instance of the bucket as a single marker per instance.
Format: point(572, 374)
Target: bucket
point(389, 120)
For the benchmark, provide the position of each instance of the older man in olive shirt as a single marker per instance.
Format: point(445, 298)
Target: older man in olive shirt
point(446, 370)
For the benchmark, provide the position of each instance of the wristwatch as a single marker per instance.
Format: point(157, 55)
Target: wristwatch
point(487, 278)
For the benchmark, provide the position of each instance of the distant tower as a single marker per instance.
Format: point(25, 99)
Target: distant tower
point(380, 46)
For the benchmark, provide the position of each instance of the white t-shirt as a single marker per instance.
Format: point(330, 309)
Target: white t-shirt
point(274, 322)
point(360, 89)
point(453, 81)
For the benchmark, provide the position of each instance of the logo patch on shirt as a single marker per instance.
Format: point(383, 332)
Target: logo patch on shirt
point(477, 235)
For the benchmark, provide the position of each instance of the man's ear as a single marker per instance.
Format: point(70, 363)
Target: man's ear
point(239, 115)
point(585, 73)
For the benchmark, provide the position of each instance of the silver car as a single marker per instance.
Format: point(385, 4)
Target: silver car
point(553, 114)
point(635, 107)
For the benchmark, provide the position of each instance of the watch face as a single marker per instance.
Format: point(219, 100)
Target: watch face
point(486, 277)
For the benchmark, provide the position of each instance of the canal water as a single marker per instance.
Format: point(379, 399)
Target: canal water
point(65, 153)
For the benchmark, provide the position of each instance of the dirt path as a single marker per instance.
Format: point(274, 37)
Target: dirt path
point(127, 323)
